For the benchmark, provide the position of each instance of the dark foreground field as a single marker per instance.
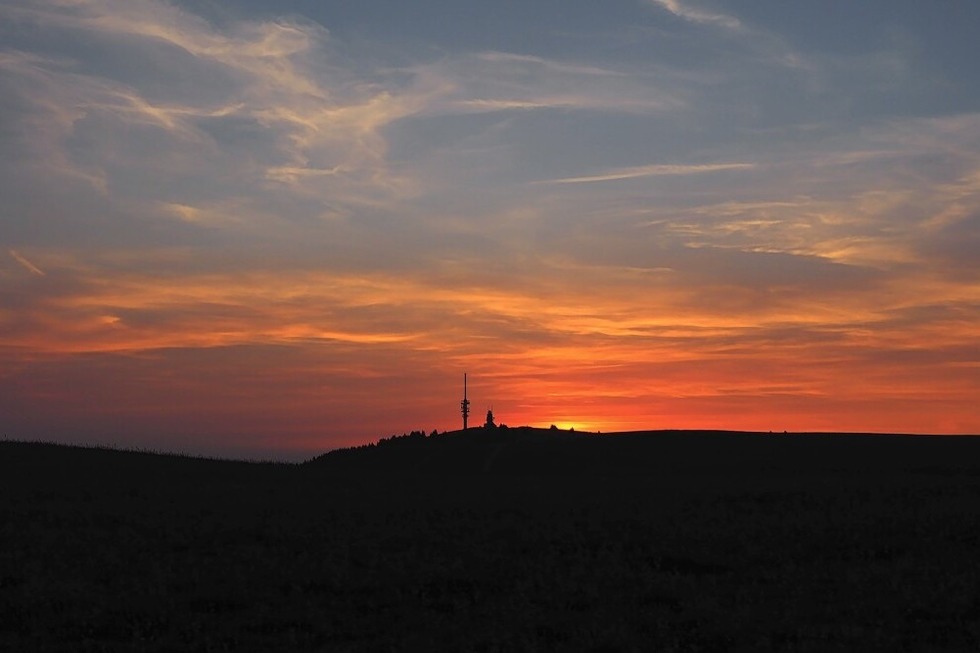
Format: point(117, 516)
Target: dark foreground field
point(499, 541)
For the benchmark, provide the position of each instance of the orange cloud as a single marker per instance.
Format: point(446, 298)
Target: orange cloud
point(331, 359)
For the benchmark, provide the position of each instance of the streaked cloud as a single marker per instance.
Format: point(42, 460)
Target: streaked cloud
point(685, 10)
point(502, 81)
point(654, 170)
point(30, 267)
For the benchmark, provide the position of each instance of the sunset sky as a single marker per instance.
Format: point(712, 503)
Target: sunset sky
point(269, 228)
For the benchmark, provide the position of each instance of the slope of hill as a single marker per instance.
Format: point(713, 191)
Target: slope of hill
point(504, 540)
point(539, 451)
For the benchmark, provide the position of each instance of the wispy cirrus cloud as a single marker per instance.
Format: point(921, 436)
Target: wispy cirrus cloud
point(682, 9)
point(265, 89)
point(549, 64)
point(653, 170)
point(506, 81)
point(25, 263)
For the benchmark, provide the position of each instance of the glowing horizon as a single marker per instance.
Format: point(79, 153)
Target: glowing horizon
point(273, 229)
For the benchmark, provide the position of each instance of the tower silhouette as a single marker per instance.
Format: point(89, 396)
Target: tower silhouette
point(464, 405)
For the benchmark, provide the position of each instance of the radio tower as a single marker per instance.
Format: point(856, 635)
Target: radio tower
point(464, 406)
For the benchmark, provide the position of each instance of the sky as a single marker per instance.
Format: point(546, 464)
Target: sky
point(267, 229)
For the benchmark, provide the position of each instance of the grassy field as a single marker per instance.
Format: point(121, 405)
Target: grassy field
point(499, 541)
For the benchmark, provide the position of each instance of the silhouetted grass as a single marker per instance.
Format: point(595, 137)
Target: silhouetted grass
point(661, 542)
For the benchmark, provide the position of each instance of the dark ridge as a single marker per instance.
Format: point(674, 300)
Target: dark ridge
point(55, 449)
point(498, 540)
point(535, 451)
point(526, 450)
point(65, 464)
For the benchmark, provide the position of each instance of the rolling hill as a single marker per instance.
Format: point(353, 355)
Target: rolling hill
point(515, 539)
point(526, 450)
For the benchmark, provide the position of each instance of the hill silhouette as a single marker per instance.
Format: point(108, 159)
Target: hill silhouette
point(526, 450)
point(504, 539)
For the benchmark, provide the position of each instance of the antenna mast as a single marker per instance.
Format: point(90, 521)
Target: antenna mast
point(464, 405)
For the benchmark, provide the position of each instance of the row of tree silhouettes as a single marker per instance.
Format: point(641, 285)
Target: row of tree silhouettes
point(418, 436)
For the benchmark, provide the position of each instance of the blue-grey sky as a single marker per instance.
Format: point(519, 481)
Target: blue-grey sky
point(271, 228)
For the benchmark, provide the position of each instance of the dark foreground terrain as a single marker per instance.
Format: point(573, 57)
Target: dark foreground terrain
point(499, 541)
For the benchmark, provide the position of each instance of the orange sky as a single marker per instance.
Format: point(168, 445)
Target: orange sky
point(682, 218)
point(298, 361)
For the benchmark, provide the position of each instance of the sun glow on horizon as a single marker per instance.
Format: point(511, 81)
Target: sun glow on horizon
point(563, 425)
